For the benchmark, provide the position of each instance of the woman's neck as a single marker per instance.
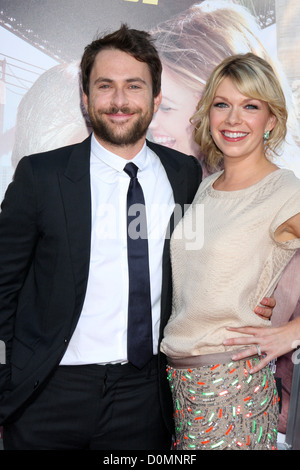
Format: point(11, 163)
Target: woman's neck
point(242, 174)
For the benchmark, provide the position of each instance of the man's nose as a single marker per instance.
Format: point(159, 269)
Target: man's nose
point(119, 98)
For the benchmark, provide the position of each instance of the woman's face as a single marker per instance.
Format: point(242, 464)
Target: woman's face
point(170, 125)
point(238, 123)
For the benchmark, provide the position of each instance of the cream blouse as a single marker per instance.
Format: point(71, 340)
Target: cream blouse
point(218, 281)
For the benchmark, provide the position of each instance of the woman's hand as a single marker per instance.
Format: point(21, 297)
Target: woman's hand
point(270, 342)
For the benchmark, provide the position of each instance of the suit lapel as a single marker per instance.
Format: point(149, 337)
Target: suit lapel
point(172, 169)
point(177, 179)
point(76, 195)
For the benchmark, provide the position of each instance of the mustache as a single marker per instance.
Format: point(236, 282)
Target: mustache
point(116, 110)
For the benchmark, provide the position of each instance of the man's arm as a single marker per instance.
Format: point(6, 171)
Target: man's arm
point(265, 309)
point(18, 236)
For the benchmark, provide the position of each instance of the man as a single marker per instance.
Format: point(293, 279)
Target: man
point(67, 281)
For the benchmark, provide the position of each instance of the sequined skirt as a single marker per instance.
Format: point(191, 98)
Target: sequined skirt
point(224, 407)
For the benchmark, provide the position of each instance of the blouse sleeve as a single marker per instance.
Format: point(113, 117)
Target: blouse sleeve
point(290, 208)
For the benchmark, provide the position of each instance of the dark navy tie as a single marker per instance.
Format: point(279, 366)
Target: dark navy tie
point(139, 336)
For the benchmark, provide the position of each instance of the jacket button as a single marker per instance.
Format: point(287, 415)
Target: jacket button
point(36, 384)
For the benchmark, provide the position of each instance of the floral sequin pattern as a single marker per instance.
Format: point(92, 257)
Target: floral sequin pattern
point(224, 407)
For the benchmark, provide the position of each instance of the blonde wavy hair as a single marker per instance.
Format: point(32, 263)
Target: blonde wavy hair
point(253, 77)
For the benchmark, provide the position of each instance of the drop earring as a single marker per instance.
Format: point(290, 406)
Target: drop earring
point(266, 135)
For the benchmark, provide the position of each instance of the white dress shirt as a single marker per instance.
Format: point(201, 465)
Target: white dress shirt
point(101, 333)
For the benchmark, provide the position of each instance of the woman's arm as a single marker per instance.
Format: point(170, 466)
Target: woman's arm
point(289, 230)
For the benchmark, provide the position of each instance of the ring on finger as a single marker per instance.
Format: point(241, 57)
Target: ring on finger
point(258, 350)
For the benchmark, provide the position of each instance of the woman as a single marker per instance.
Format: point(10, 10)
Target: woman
point(191, 45)
point(253, 234)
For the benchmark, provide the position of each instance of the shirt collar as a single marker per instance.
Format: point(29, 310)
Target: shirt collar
point(114, 161)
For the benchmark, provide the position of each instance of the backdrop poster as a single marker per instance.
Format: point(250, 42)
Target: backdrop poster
point(41, 42)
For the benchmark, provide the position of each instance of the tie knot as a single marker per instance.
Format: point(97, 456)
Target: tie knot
point(131, 169)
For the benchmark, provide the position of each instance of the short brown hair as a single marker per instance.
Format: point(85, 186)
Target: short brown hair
point(132, 41)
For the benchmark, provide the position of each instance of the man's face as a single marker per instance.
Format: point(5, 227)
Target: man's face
point(121, 102)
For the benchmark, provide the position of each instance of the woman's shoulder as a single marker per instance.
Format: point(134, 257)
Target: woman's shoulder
point(286, 177)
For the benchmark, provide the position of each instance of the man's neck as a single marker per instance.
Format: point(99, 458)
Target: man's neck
point(128, 152)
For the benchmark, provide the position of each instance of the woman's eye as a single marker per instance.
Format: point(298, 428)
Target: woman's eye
point(220, 105)
point(165, 108)
point(251, 106)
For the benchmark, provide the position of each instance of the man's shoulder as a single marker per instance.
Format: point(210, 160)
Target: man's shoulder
point(162, 149)
point(174, 156)
point(180, 168)
point(58, 156)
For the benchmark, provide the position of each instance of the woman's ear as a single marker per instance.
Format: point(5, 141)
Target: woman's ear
point(272, 122)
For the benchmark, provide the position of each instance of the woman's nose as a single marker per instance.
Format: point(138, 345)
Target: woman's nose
point(233, 116)
point(155, 120)
point(153, 123)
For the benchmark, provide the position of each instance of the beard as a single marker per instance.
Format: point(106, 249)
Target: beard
point(121, 134)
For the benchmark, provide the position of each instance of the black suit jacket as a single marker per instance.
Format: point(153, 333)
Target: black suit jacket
point(45, 232)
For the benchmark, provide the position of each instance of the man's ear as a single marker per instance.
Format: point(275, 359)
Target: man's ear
point(85, 100)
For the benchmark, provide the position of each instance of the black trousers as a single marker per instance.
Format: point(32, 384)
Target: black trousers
point(92, 407)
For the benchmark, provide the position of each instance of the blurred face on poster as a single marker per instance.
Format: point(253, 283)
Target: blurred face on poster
point(170, 125)
point(120, 102)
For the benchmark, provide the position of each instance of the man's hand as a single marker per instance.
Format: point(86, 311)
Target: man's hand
point(265, 310)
